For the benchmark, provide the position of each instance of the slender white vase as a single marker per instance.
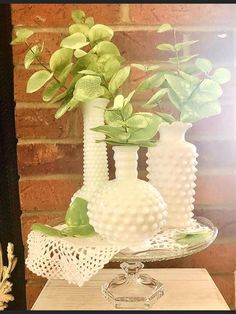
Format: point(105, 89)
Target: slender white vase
point(127, 210)
point(95, 164)
point(172, 167)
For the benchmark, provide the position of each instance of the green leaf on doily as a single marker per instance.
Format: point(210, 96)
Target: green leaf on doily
point(193, 237)
point(47, 230)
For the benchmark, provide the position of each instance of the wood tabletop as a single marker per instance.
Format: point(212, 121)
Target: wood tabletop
point(185, 289)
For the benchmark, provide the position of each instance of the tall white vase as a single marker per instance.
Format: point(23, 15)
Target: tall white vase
point(95, 164)
point(127, 210)
point(172, 167)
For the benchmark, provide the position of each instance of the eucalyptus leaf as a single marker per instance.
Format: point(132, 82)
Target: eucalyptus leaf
point(127, 111)
point(204, 65)
point(76, 214)
point(183, 59)
point(114, 132)
point(164, 28)
point(106, 47)
point(118, 102)
point(66, 106)
point(155, 80)
point(78, 53)
point(60, 59)
point(37, 80)
point(118, 79)
point(166, 47)
point(156, 98)
point(113, 118)
point(31, 55)
point(129, 97)
point(47, 230)
point(79, 28)
point(136, 122)
point(21, 35)
point(100, 32)
point(111, 67)
point(166, 117)
point(182, 45)
point(180, 86)
point(89, 21)
point(78, 16)
point(88, 87)
point(221, 75)
point(74, 41)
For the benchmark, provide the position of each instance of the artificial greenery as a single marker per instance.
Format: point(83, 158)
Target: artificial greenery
point(125, 127)
point(86, 66)
point(193, 89)
point(193, 238)
point(77, 222)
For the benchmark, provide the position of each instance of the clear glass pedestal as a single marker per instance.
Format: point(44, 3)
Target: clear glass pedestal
point(136, 290)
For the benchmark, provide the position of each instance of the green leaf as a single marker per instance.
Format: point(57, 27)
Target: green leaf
point(127, 111)
point(156, 98)
point(83, 230)
point(191, 69)
point(74, 41)
point(79, 53)
point(193, 112)
point(181, 87)
point(166, 47)
point(89, 21)
point(31, 55)
point(184, 59)
point(118, 79)
point(60, 59)
point(79, 28)
point(88, 87)
point(166, 117)
point(88, 72)
point(100, 32)
point(145, 68)
point(76, 214)
point(66, 106)
point(182, 45)
point(175, 100)
point(116, 133)
point(78, 16)
point(106, 47)
point(129, 97)
point(188, 239)
point(204, 65)
point(47, 230)
point(52, 88)
point(149, 131)
point(211, 88)
point(155, 80)
point(113, 118)
point(37, 80)
point(118, 102)
point(111, 67)
point(221, 75)
point(190, 78)
point(136, 122)
point(21, 35)
point(164, 28)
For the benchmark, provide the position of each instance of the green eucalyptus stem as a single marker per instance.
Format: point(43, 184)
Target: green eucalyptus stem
point(176, 52)
point(44, 66)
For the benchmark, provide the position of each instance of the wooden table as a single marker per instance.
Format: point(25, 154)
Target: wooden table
point(185, 289)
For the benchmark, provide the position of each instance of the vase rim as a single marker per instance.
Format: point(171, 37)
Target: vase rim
point(177, 123)
point(125, 147)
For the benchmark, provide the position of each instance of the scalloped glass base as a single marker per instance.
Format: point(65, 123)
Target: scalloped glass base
point(132, 290)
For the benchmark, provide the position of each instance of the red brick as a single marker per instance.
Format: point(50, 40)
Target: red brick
point(32, 292)
point(138, 46)
point(47, 194)
point(35, 159)
point(218, 257)
point(21, 77)
point(51, 43)
point(41, 123)
point(216, 190)
point(53, 15)
point(52, 219)
point(220, 125)
point(183, 14)
point(225, 283)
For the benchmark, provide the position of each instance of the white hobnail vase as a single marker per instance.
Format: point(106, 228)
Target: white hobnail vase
point(172, 167)
point(95, 162)
point(127, 211)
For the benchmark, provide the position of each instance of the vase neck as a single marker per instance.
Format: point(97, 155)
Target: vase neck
point(126, 158)
point(174, 132)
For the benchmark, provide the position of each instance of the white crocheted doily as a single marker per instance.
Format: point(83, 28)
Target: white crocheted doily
point(78, 259)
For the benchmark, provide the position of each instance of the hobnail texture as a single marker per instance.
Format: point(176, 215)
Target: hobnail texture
point(172, 168)
point(95, 164)
point(127, 210)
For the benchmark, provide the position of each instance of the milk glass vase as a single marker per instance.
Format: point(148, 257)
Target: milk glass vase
point(172, 167)
point(127, 211)
point(95, 163)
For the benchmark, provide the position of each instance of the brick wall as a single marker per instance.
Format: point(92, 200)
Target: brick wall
point(50, 151)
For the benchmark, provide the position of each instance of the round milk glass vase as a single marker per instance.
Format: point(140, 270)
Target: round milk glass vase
point(127, 211)
point(172, 167)
point(95, 163)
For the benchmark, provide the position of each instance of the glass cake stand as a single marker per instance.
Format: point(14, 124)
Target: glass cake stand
point(136, 290)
